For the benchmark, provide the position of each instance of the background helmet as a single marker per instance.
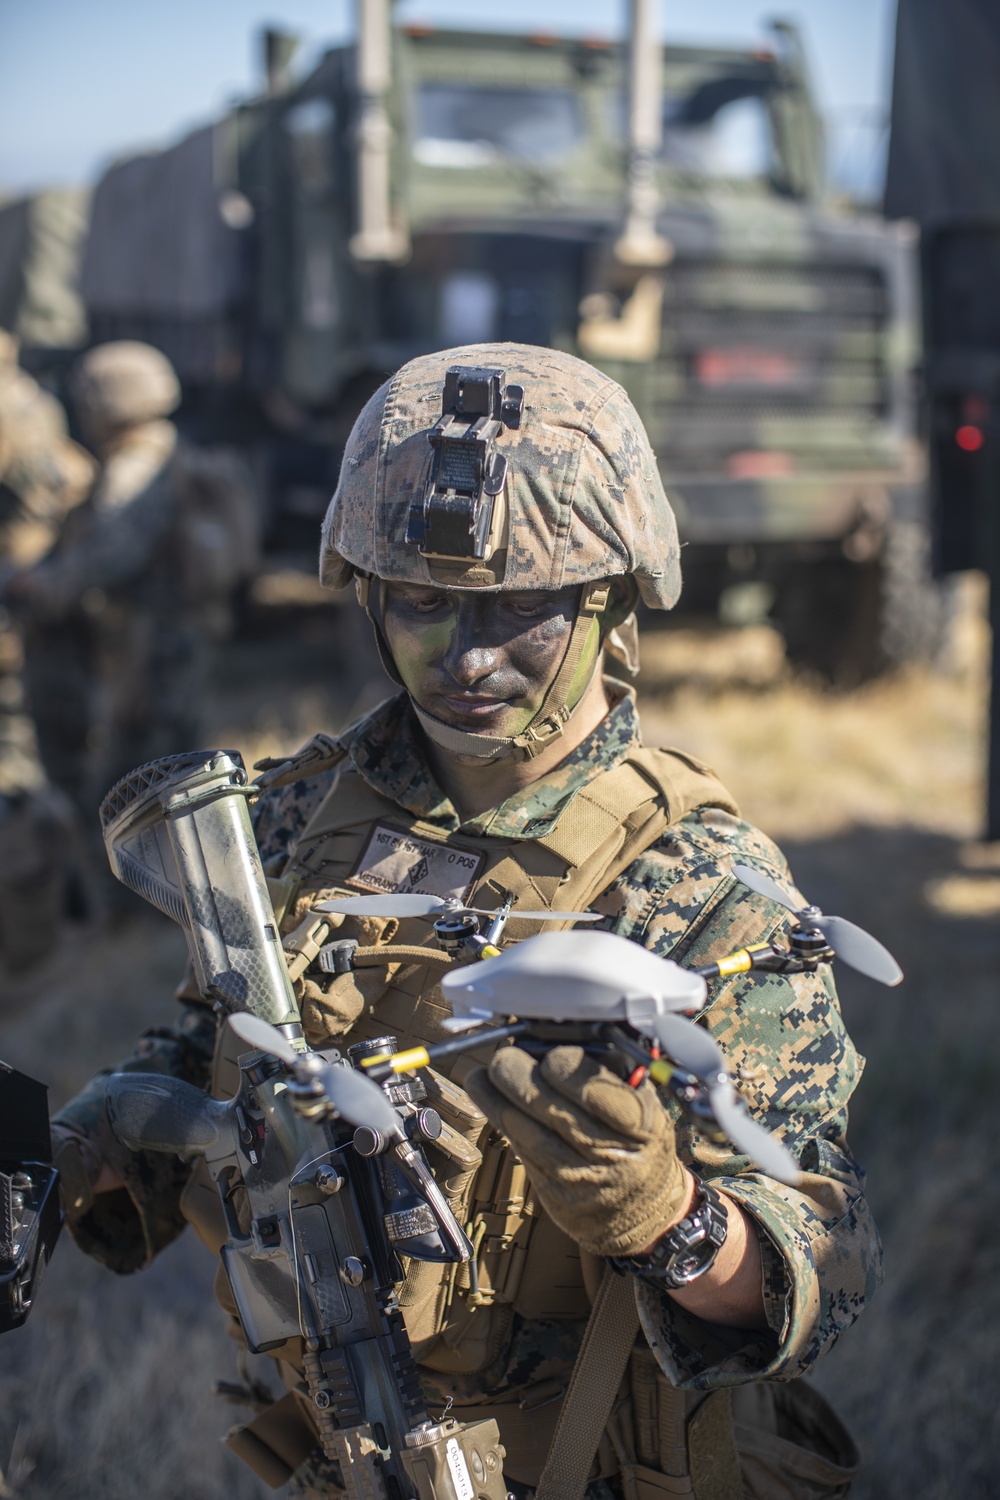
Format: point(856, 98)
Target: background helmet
point(582, 497)
point(123, 383)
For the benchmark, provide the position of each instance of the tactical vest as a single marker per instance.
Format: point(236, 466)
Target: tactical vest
point(526, 1266)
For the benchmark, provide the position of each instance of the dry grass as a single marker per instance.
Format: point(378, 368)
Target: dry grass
point(106, 1390)
point(875, 798)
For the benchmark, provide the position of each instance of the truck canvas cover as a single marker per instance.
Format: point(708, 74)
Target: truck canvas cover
point(160, 250)
point(40, 244)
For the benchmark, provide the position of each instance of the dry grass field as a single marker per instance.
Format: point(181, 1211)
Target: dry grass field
point(875, 796)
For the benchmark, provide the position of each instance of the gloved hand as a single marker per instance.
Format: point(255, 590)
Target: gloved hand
point(79, 1169)
point(600, 1155)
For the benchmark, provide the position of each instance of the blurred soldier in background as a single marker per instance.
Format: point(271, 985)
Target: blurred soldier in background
point(124, 610)
point(43, 476)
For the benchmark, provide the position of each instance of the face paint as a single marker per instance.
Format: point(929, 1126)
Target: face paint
point(482, 662)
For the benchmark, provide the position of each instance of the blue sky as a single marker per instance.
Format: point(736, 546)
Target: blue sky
point(84, 81)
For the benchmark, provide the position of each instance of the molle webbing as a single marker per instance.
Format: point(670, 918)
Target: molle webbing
point(324, 752)
point(608, 823)
point(321, 753)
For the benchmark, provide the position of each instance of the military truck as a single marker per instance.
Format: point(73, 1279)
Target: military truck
point(661, 212)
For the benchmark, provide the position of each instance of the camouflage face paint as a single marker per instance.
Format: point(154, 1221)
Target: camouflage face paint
point(482, 662)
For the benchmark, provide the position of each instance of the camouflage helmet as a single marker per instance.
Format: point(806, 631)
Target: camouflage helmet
point(505, 466)
point(582, 501)
point(123, 383)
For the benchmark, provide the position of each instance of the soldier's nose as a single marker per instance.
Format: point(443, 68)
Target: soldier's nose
point(469, 657)
point(470, 664)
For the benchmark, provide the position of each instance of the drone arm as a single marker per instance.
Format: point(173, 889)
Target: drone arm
point(756, 956)
point(766, 958)
point(386, 1065)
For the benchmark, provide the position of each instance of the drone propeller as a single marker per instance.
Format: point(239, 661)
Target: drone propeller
point(851, 943)
point(694, 1050)
point(405, 905)
point(355, 1097)
point(260, 1034)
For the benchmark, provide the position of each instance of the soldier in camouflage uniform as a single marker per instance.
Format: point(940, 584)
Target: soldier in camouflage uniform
point(43, 476)
point(510, 763)
point(123, 610)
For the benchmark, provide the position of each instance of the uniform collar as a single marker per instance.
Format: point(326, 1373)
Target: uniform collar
point(388, 753)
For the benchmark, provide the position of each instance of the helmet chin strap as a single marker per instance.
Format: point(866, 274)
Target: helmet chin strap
point(554, 712)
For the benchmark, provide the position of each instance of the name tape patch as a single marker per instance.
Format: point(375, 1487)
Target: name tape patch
point(396, 861)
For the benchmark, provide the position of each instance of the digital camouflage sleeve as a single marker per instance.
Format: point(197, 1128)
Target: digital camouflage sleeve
point(785, 1043)
point(784, 1040)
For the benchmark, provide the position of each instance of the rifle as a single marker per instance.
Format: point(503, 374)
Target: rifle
point(321, 1173)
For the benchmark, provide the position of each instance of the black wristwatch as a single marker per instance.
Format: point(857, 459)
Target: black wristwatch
point(687, 1250)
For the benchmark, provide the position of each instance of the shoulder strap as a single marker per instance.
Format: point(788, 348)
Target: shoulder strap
point(618, 816)
point(593, 1389)
point(639, 799)
point(323, 752)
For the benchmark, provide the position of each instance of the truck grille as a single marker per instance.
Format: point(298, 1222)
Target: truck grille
point(768, 357)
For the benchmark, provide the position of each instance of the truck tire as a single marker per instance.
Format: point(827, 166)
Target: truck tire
point(849, 622)
point(913, 618)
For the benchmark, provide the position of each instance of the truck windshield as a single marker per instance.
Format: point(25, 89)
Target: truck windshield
point(733, 142)
point(468, 125)
point(720, 129)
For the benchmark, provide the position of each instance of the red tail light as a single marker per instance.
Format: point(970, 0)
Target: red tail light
point(970, 439)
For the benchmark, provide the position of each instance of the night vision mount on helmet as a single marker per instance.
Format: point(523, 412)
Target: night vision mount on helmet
point(462, 514)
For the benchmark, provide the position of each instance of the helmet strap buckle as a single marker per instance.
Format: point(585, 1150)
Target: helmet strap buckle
point(537, 736)
point(595, 598)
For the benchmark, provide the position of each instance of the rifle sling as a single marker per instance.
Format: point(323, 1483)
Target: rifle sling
point(593, 1389)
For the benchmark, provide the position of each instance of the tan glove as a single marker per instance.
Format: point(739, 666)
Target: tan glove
point(600, 1155)
point(329, 1013)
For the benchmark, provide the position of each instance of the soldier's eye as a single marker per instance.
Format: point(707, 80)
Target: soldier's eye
point(427, 603)
point(529, 609)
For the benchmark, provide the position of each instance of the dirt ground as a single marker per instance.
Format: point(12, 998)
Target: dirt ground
point(876, 798)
